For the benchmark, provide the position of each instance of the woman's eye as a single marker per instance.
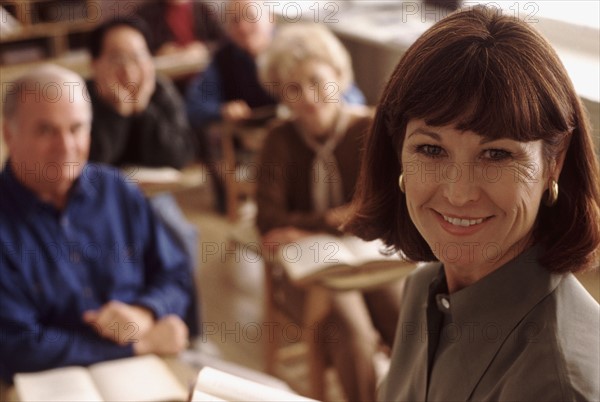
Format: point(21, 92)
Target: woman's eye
point(497, 154)
point(432, 151)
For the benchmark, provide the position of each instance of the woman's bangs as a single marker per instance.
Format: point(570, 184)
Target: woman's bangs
point(488, 105)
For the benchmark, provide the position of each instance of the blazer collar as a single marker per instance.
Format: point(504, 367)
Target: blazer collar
point(489, 311)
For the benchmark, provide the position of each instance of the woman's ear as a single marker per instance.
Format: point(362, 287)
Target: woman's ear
point(559, 162)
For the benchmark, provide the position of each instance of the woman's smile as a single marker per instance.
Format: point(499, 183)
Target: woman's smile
point(461, 225)
point(469, 209)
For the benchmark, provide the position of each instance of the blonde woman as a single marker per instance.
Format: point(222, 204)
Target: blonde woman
point(309, 168)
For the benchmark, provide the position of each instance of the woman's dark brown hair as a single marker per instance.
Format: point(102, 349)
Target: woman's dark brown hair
point(496, 76)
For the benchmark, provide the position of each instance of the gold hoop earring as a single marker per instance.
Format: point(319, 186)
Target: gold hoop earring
point(401, 182)
point(552, 193)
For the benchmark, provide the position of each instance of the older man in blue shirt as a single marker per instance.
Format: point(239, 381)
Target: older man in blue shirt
point(87, 272)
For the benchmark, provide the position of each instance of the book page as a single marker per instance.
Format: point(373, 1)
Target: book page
point(232, 388)
point(199, 396)
point(371, 276)
point(318, 254)
point(140, 378)
point(312, 255)
point(143, 174)
point(63, 384)
point(366, 251)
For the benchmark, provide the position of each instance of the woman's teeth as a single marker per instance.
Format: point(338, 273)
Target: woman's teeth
point(462, 222)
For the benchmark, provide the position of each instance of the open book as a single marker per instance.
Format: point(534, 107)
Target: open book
point(151, 175)
point(216, 385)
point(140, 378)
point(341, 262)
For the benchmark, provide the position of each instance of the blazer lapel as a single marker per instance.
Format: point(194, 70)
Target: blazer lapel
point(490, 311)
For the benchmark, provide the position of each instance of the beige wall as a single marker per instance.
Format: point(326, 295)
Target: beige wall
point(593, 109)
point(374, 63)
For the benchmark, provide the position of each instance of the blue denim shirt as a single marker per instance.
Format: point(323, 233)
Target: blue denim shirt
point(105, 245)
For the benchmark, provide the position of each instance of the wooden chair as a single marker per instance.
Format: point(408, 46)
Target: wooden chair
point(245, 137)
point(276, 317)
point(316, 306)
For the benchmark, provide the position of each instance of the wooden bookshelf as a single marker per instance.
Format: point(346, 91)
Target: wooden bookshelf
point(34, 30)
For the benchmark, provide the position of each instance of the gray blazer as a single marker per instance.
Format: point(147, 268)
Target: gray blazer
point(519, 334)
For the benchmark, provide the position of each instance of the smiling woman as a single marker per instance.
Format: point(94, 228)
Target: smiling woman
point(480, 158)
point(464, 190)
point(310, 165)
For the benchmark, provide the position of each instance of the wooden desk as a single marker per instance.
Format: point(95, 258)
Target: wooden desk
point(159, 180)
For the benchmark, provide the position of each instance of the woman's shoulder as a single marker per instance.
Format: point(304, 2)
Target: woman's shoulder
point(359, 123)
point(284, 132)
point(565, 339)
point(360, 116)
point(423, 275)
point(282, 142)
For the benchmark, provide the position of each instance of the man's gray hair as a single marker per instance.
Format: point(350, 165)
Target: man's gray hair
point(40, 82)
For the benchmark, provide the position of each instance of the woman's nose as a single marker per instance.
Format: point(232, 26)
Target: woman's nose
point(460, 187)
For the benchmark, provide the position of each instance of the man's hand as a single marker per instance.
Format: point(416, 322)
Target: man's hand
point(168, 337)
point(120, 97)
point(235, 111)
point(147, 86)
point(121, 323)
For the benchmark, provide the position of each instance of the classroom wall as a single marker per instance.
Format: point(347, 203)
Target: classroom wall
point(593, 109)
point(373, 64)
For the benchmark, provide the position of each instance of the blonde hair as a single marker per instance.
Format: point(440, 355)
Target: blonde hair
point(298, 43)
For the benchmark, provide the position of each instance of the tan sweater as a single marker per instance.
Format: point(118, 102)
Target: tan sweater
point(284, 182)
